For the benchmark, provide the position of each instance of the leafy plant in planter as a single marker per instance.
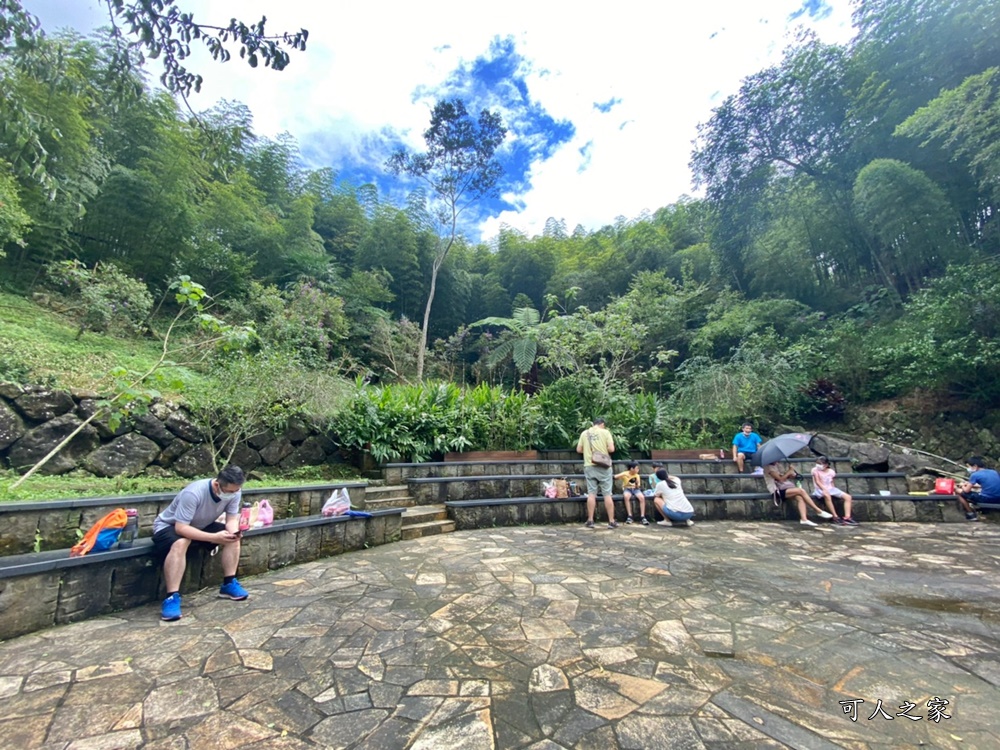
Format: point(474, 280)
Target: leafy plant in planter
point(401, 422)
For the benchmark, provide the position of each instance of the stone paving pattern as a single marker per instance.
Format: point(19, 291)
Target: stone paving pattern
point(725, 635)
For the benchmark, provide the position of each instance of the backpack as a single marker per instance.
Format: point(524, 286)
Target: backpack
point(102, 535)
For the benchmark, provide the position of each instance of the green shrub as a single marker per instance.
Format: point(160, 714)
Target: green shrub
point(760, 382)
point(104, 298)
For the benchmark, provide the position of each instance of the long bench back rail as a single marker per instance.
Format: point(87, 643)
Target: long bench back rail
point(43, 589)
point(55, 524)
point(398, 473)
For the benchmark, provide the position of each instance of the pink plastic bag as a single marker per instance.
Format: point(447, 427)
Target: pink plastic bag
point(265, 514)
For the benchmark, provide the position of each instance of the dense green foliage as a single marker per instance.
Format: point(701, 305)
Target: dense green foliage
point(845, 249)
point(416, 423)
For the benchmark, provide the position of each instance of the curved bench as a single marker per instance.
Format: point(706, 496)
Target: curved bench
point(757, 506)
point(55, 524)
point(42, 589)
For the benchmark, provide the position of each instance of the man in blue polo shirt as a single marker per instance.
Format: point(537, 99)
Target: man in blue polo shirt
point(983, 486)
point(745, 444)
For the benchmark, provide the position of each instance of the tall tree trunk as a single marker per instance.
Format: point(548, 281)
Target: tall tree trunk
point(438, 262)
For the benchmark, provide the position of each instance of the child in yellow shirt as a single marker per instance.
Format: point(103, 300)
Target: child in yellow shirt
point(632, 487)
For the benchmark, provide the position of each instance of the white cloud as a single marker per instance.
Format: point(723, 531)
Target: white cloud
point(667, 65)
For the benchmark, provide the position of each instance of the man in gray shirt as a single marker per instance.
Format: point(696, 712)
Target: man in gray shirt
point(190, 519)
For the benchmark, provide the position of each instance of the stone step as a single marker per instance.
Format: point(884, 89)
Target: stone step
point(386, 492)
point(391, 502)
point(428, 528)
point(422, 513)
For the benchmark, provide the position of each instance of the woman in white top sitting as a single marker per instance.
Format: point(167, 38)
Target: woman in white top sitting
point(671, 501)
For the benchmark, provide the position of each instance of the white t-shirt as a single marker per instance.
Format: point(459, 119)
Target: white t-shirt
point(673, 499)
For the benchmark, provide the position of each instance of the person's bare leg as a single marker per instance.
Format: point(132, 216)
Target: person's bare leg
point(799, 492)
point(591, 507)
point(739, 462)
point(802, 508)
point(847, 505)
point(175, 564)
point(609, 506)
point(642, 505)
point(965, 504)
point(230, 556)
point(627, 500)
point(830, 507)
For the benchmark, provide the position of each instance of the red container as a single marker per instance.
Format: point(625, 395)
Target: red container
point(245, 516)
point(944, 486)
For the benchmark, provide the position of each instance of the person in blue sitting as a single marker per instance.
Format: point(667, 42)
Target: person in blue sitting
point(190, 519)
point(745, 444)
point(983, 487)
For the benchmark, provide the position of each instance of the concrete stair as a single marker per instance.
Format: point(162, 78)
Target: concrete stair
point(378, 497)
point(425, 520)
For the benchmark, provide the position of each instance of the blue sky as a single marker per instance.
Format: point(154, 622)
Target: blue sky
point(602, 104)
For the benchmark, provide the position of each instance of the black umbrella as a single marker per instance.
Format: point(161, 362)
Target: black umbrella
point(781, 447)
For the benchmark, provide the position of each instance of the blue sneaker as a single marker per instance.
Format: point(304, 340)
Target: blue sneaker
point(171, 609)
point(233, 591)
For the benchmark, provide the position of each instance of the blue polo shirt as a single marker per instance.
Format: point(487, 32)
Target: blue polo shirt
point(989, 483)
point(747, 443)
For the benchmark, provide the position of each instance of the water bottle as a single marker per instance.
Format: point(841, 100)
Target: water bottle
point(131, 530)
point(245, 516)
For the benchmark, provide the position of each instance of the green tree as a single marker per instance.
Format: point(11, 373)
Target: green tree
point(787, 119)
point(520, 344)
point(391, 245)
point(14, 221)
point(460, 168)
point(910, 220)
point(965, 123)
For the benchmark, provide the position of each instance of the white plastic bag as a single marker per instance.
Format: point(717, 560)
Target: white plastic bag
point(338, 503)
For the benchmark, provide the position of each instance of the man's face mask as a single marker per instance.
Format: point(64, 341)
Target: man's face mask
point(225, 496)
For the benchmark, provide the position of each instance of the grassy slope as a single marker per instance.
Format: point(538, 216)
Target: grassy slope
point(41, 346)
point(38, 345)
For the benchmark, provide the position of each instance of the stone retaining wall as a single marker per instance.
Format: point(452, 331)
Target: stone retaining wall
point(41, 590)
point(165, 440)
point(58, 524)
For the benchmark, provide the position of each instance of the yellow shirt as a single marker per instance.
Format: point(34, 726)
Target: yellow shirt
point(630, 481)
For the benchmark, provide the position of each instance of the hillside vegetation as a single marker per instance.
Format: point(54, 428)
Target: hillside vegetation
point(845, 251)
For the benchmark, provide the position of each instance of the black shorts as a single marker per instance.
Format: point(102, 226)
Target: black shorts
point(164, 539)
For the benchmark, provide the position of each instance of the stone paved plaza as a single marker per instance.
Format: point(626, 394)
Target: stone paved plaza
point(724, 635)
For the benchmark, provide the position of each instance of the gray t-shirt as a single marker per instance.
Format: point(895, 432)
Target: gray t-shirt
point(195, 505)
